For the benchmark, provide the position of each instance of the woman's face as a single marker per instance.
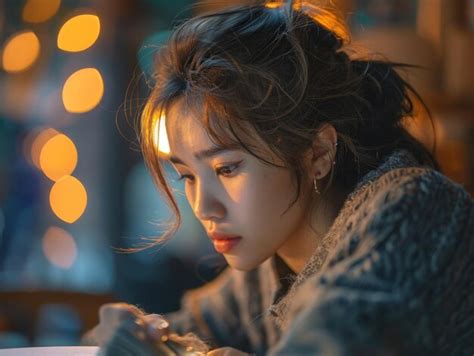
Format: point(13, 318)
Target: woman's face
point(232, 192)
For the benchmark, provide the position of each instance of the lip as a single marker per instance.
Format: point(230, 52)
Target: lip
point(224, 242)
point(215, 235)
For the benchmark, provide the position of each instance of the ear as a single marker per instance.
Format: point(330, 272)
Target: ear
point(320, 157)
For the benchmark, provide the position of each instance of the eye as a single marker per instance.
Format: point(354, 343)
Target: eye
point(228, 170)
point(187, 177)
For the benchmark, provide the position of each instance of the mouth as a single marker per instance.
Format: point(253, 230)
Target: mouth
point(224, 243)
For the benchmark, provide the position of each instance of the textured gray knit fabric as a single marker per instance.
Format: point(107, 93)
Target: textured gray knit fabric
point(393, 275)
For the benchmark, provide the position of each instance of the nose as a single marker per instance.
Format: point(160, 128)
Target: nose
point(206, 204)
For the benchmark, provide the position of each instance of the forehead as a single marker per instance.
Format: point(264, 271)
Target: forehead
point(185, 129)
point(187, 133)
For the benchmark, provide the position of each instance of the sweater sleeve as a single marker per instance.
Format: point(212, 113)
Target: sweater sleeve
point(386, 288)
point(213, 313)
point(224, 312)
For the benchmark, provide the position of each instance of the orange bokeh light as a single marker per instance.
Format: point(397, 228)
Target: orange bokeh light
point(20, 52)
point(36, 11)
point(58, 157)
point(79, 33)
point(83, 90)
point(68, 199)
point(38, 142)
point(59, 247)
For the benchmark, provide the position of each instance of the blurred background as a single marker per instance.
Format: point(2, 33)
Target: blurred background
point(73, 187)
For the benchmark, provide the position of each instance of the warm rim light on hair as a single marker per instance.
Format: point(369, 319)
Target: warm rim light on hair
point(20, 52)
point(274, 4)
point(79, 33)
point(319, 14)
point(160, 137)
point(59, 247)
point(327, 19)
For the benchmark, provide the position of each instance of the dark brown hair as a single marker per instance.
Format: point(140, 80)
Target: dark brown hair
point(279, 69)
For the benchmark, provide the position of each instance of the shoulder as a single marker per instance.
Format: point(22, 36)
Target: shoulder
point(402, 229)
point(424, 182)
point(404, 202)
point(410, 184)
point(419, 207)
point(405, 247)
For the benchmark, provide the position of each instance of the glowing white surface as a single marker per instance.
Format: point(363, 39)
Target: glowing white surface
point(52, 351)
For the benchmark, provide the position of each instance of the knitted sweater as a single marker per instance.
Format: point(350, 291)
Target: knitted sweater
point(393, 275)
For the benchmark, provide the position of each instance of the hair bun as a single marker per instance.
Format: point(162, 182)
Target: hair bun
point(312, 22)
point(332, 31)
point(383, 90)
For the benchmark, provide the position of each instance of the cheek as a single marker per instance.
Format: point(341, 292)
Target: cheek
point(264, 196)
point(190, 193)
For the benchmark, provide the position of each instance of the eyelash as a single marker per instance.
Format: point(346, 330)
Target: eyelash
point(218, 171)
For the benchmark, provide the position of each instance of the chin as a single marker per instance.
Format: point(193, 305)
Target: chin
point(242, 264)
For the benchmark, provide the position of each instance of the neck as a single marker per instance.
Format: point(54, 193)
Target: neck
point(298, 250)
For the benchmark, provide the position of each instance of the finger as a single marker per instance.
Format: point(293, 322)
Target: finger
point(113, 313)
point(93, 336)
point(226, 351)
point(157, 327)
point(223, 351)
point(137, 327)
point(157, 320)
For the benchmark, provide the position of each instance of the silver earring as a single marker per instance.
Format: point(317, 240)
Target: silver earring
point(334, 162)
point(316, 186)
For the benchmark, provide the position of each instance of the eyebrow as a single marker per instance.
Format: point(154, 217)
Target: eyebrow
point(206, 153)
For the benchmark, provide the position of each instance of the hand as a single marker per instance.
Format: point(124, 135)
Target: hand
point(226, 351)
point(113, 315)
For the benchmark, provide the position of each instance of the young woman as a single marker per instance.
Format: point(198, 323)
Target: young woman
point(341, 234)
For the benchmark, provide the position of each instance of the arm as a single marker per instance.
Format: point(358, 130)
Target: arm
point(226, 312)
point(381, 293)
point(210, 312)
point(213, 312)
